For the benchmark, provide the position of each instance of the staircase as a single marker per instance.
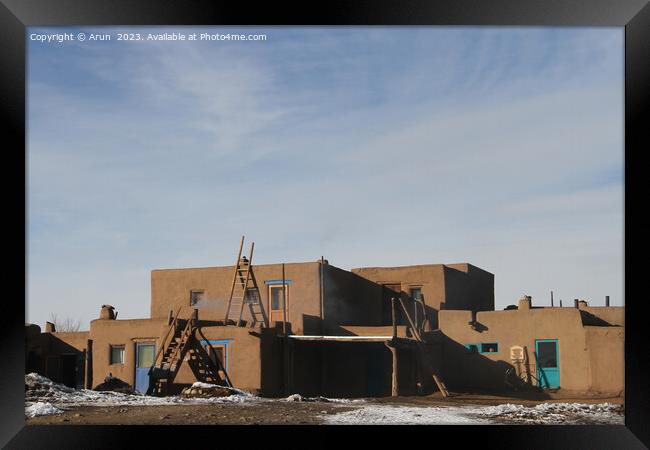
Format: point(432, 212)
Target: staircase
point(180, 341)
point(244, 291)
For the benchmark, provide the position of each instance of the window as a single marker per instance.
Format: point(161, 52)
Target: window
point(547, 354)
point(277, 301)
point(146, 354)
point(195, 297)
point(491, 347)
point(483, 347)
point(217, 350)
point(252, 296)
point(416, 293)
point(117, 354)
point(418, 306)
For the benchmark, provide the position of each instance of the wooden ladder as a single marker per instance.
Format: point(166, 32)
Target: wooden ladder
point(180, 341)
point(244, 291)
point(420, 343)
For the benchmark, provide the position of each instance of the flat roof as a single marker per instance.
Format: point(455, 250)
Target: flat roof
point(342, 338)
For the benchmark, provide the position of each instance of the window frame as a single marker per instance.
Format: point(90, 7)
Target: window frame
point(279, 286)
point(218, 343)
point(479, 347)
point(490, 343)
point(122, 347)
point(196, 291)
point(415, 287)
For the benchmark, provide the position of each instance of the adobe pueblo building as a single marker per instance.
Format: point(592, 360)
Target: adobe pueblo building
point(314, 329)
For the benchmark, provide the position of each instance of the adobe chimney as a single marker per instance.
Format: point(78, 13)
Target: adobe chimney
point(525, 302)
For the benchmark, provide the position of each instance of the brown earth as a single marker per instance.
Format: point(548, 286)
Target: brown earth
point(528, 399)
point(266, 413)
point(271, 413)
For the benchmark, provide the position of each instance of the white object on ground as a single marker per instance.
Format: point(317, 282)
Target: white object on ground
point(41, 409)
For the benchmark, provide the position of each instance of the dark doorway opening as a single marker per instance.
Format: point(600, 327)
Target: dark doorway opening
point(68, 370)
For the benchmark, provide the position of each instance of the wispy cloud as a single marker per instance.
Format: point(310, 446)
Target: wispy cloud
point(500, 147)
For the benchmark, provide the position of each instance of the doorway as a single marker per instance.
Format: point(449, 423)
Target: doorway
point(548, 363)
point(144, 359)
point(278, 303)
point(69, 370)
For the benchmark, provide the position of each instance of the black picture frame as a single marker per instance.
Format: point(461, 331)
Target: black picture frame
point(16, 15)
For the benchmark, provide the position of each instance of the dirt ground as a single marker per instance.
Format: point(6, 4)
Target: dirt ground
point(264, 413)
point(457, 399)
point(276, 413)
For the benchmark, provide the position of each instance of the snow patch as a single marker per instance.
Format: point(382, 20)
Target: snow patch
point(555, 413)
point(41, 409)
point(373, 414)
point(39, 389)
point(300, 398)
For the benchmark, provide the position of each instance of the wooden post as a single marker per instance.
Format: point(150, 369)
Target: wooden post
point(393, 312)
point(284, 303)
point(285, 365)
point(394, 379)
point(418, 369)
point(291, 366)
point(527, 366)
point(88, 375)
point(551, 299)
point(322, 295)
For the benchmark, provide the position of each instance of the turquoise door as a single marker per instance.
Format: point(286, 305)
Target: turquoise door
point(548, 363)
point(144, 355)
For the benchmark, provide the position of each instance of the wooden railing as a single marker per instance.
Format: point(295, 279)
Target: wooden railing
point(184, 336)
point(163, 343)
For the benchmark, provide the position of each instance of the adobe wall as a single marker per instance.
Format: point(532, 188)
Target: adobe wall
point(244, 357)
point(514, 328)
point(348, 369)
point(349, 299)
point(170, 289)
point(606, 348)
point(40, 347)
point(68, 341)
point(356, 330)
point(468, 287)
point(613, 315)
point(429, 277)
point(105, 333)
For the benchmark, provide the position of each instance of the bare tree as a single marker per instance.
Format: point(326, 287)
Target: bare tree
point(67, 324)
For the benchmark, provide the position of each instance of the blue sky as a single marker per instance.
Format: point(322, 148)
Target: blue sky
point(371, 146)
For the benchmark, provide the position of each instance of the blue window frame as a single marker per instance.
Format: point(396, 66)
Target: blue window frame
point(271, 282)
point(489, 347)
point(483, 347)
point(219, 343)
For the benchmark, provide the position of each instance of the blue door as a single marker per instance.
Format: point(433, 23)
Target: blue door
point(144, 355)
point(548, 363)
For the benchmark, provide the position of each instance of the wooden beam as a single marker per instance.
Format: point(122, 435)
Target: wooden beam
point(393, 312)
point(394, 380)
point(88, 376)
point(408, 317)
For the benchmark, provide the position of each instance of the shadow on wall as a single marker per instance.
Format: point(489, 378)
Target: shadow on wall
point(466, 371)
point(350, 299)
point(473, 289)
point(63, 364)
point(274, 361)
point(588, 319)
point(312, 325)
